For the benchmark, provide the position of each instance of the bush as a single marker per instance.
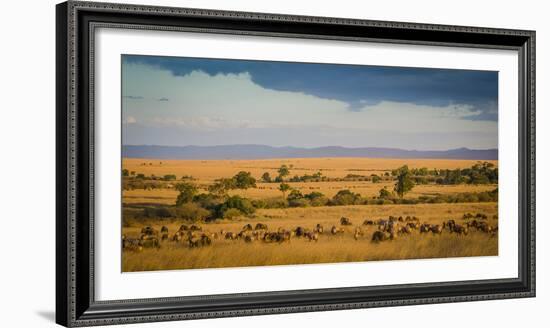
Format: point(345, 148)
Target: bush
point(232, 213)
point(259, 203)
point(208, 201)
point(170, 177)
point(316, 198)
point(298, 202)
point(345, 197)
point(244, 205)
point(157, 212)
point(191, 212)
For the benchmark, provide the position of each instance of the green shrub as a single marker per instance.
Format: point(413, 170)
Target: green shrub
point(190, 212)
point(346, 197)
point(232, 213)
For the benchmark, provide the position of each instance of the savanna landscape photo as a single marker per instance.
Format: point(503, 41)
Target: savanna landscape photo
point(234, 163)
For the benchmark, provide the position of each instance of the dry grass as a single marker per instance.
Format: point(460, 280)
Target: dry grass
point(206, 171)
point(329, 249)
point(329, 189)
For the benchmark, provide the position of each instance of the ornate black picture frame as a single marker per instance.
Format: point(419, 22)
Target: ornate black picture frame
point(75, 301)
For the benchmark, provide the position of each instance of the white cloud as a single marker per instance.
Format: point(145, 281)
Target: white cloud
point(201, 102)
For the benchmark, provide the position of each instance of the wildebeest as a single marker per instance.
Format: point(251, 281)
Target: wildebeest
point(258, 234)
point(164, 233)
point(345, 221)
point(230, 236)
point(201, 240)
point(299, 231)
point(260, 226)
point(481, 216)
point(379, 236)
point(484, 227)
point(467, 216)
point(195, 227)
point(459, 229)
point(131, 244)
point(149, 231)
point(449, 224)
point(400, 219)
point(383, 224)
point(277, 237)
point(318, 228)
point(368, 222)
point(436, 229)
point(424, 227)
point(413, 225)
point(334, 230)
point(312, 236)
point(149, 241)
point(205, 240)
point(178, 236)
point(405, 229)
point(247, 227)
point(473, 224)
point(184, 227)
point(358, 233)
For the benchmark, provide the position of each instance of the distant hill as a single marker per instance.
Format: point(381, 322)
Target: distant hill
point(266, 152)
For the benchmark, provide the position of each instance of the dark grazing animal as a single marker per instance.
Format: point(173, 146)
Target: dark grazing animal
point(299, 231)
point(312, 236)
point(149, 241)
point(425, 228)
point(195, 228)
point(131, 244)
point(345, 221)
point(260, 226)
point(459, 229)
point(436, 229)
point(368, 222)
point(164, 233)
point(247, 227)
point(449, 224)
point(230, 236)
point(379, 236)
point(318, 228)
point(149, 231)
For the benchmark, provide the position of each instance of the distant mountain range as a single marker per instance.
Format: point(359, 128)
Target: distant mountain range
point(266, 152)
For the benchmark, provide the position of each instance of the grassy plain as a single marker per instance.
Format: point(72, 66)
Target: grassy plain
point(329, 248)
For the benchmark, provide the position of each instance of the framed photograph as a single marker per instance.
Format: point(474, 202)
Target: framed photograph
point(216, 164)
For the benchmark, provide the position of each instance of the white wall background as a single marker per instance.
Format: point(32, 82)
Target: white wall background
point(27, 162)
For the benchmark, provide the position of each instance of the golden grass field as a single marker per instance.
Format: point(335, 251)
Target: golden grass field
point(206, 171)
point(329, 248)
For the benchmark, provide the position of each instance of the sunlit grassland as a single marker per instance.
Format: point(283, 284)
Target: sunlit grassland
point(329, 248)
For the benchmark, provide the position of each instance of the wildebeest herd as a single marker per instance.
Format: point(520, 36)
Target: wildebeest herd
point(387, 229)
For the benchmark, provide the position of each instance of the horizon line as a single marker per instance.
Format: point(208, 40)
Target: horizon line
point(304, 147)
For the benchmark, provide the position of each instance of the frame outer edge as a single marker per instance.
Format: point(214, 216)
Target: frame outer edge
point(67, 112)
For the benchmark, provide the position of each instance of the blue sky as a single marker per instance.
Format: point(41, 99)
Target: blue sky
point(182, 101)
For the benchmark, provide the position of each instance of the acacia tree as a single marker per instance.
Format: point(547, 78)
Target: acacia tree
point(187, 192)
point(284, 188)
point(266, 177)
point(244, 180)
point(283, 171)
point(404, 181)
